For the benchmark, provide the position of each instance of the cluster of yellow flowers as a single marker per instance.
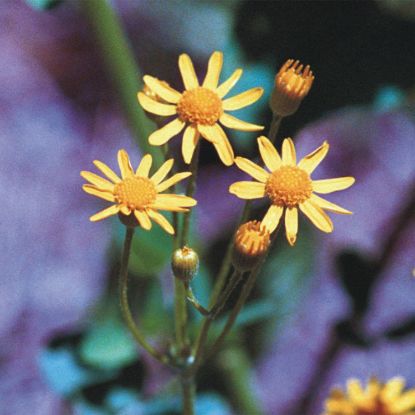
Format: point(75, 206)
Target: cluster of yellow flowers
point(200, 110)
point(376, 399)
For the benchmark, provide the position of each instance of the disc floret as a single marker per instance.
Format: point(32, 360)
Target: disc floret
point(135, 192)
point(200, 106)
point(288, 186)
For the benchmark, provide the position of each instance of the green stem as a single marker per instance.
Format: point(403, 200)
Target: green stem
point(246, 290)
point(191, 188)
point(188, 394)
point(122, 68)
point(125, 309)
point(274, 127)
point(180, 319)
point(195, 302)
point(223, 298)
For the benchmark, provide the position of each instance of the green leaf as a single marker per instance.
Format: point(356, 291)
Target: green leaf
point(151, 251)
point(43, 4)
point(153, 316)
point(108, 345)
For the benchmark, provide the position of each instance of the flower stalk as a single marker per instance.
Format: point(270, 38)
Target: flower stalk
point(125, 308)
point(190, 191)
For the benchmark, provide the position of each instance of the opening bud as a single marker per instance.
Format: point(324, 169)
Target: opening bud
point(251, 243)
point(292, 85)
point(185, 263)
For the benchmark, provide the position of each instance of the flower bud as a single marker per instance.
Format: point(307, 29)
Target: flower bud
point(292, 85)
point(251, 243)
point(185, 263)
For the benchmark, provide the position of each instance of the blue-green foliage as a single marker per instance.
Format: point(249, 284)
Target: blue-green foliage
point(43, 4)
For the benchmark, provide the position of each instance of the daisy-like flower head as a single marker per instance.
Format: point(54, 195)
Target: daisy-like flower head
point(199, 108)
point(375, 399)
point(292, 84)
point(288, 186)
point(137, 197)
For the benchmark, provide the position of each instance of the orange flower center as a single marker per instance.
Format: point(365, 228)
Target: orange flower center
point(200, 106)
point(288, 186)
point(378, 409)
point(135, 192)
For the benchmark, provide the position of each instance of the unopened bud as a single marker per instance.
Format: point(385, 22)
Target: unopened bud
point(251, 243)
point(185, 263)
point(292, 85)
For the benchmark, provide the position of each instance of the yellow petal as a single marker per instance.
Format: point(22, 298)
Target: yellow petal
point(272, 218)
point(226, 86)
point(214, 69)
point(144, 167)
point(242, 100)
point(326, 205)
point(247, 190)
point(107, 171)
point(312, 160)
point(317, 216)
point(125, 165)
point(125, 210)
point(97, 181)
point(187, 71)
point(165, 206)
point(161, 220)
point(252, 169)
point(210, 132)
point(143, 219)
point(237, 124)
point(289, 157)
point(164, 134)
point(355, 391)
point(155, 107)
point(189, 143)
point(221, 142)
point(103, 194)
point(164, 91)
point(404, 403)
point(172, 181)
point(162, 172)
point(291, 225)
point(393, 389)
point(332, 185)
point(112, 210)
point(176, 200)
point(269, 154)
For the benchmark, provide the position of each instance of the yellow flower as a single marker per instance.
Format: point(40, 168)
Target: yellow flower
point(137, 193)
point(375, 399)
point(289, 187)
point(199, 108)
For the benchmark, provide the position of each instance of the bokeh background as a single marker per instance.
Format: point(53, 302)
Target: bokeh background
point(335, 306)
